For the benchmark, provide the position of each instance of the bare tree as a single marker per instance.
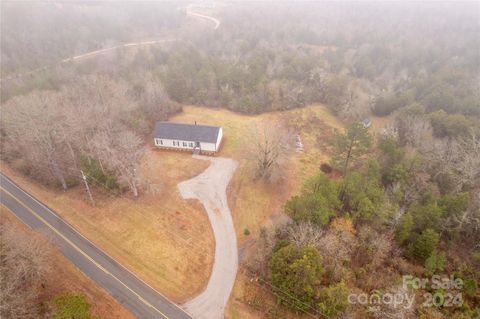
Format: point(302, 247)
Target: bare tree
point(457, 158)
point(259, 262)
point(403, 310)
point(155, 101)
point(305, 233)
point(24, 263)
point(336, 248)
point(51, 130)
point(33, 126)
point(374, 247)
point(121, 151)
point(412, 126)
point(268, 146)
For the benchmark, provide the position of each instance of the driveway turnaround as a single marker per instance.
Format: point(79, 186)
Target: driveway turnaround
point(210, 188)
point(129, 290)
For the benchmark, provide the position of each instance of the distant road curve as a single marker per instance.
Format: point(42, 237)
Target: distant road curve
point(203, 16)
point(86, 55)
point(125, 45)
point(102, 51)
point(129, 290)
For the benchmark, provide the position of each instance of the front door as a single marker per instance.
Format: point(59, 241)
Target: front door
point(196, 149)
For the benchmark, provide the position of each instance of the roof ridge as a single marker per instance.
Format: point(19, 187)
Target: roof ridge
point(187, 131)
point(189, 124)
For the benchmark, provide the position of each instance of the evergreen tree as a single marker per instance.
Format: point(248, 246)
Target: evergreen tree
point(297, 271)
point(425, 244)
point(333, 300)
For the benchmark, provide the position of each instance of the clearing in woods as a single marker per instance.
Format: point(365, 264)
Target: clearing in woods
point(167, 240)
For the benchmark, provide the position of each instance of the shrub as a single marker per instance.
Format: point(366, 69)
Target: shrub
point(326, 168)
point(71, 305)
point(425, 244)
point(317, 203)
point(333, 300)
point(436, 262)
point(296, 271)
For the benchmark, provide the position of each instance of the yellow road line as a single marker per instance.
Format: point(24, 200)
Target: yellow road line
point(81, 251)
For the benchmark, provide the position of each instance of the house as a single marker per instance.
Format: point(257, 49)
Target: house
point(193, 137)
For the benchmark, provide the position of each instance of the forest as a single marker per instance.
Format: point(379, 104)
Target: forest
point(405, 201)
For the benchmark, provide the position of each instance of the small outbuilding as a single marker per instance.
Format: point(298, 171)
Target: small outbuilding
point(366, 122)
point(192, 137)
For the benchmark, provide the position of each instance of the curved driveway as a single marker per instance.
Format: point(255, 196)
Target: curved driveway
point(210, 187)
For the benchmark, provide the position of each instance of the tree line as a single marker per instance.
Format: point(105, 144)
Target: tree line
point(263, 59)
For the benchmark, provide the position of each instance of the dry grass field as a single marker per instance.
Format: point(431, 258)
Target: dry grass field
point(64, 277)
point(255, 203)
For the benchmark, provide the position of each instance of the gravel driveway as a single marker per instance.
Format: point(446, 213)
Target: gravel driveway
point(210, 188)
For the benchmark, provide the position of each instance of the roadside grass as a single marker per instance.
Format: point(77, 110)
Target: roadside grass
point(64, 277)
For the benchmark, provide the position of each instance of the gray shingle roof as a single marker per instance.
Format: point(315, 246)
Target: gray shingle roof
point(186, 132)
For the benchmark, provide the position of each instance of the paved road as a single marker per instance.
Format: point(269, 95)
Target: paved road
point(142, 300)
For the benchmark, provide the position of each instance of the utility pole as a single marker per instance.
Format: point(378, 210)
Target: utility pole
point(87, 188)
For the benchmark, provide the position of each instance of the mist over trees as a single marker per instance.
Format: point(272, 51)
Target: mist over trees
point(405, 200)
point(41, 33)
point(385, 56)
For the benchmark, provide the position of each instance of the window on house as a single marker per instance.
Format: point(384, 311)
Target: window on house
point(190, 144)
point(184, 144)
point(159, 141)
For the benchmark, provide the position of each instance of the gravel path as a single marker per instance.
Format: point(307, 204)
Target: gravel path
point(210, 188)
point(189, 11)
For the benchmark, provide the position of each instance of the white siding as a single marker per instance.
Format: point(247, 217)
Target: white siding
point(219, 139)
point(174, 143)
point(209, 147)
point(190, 145)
